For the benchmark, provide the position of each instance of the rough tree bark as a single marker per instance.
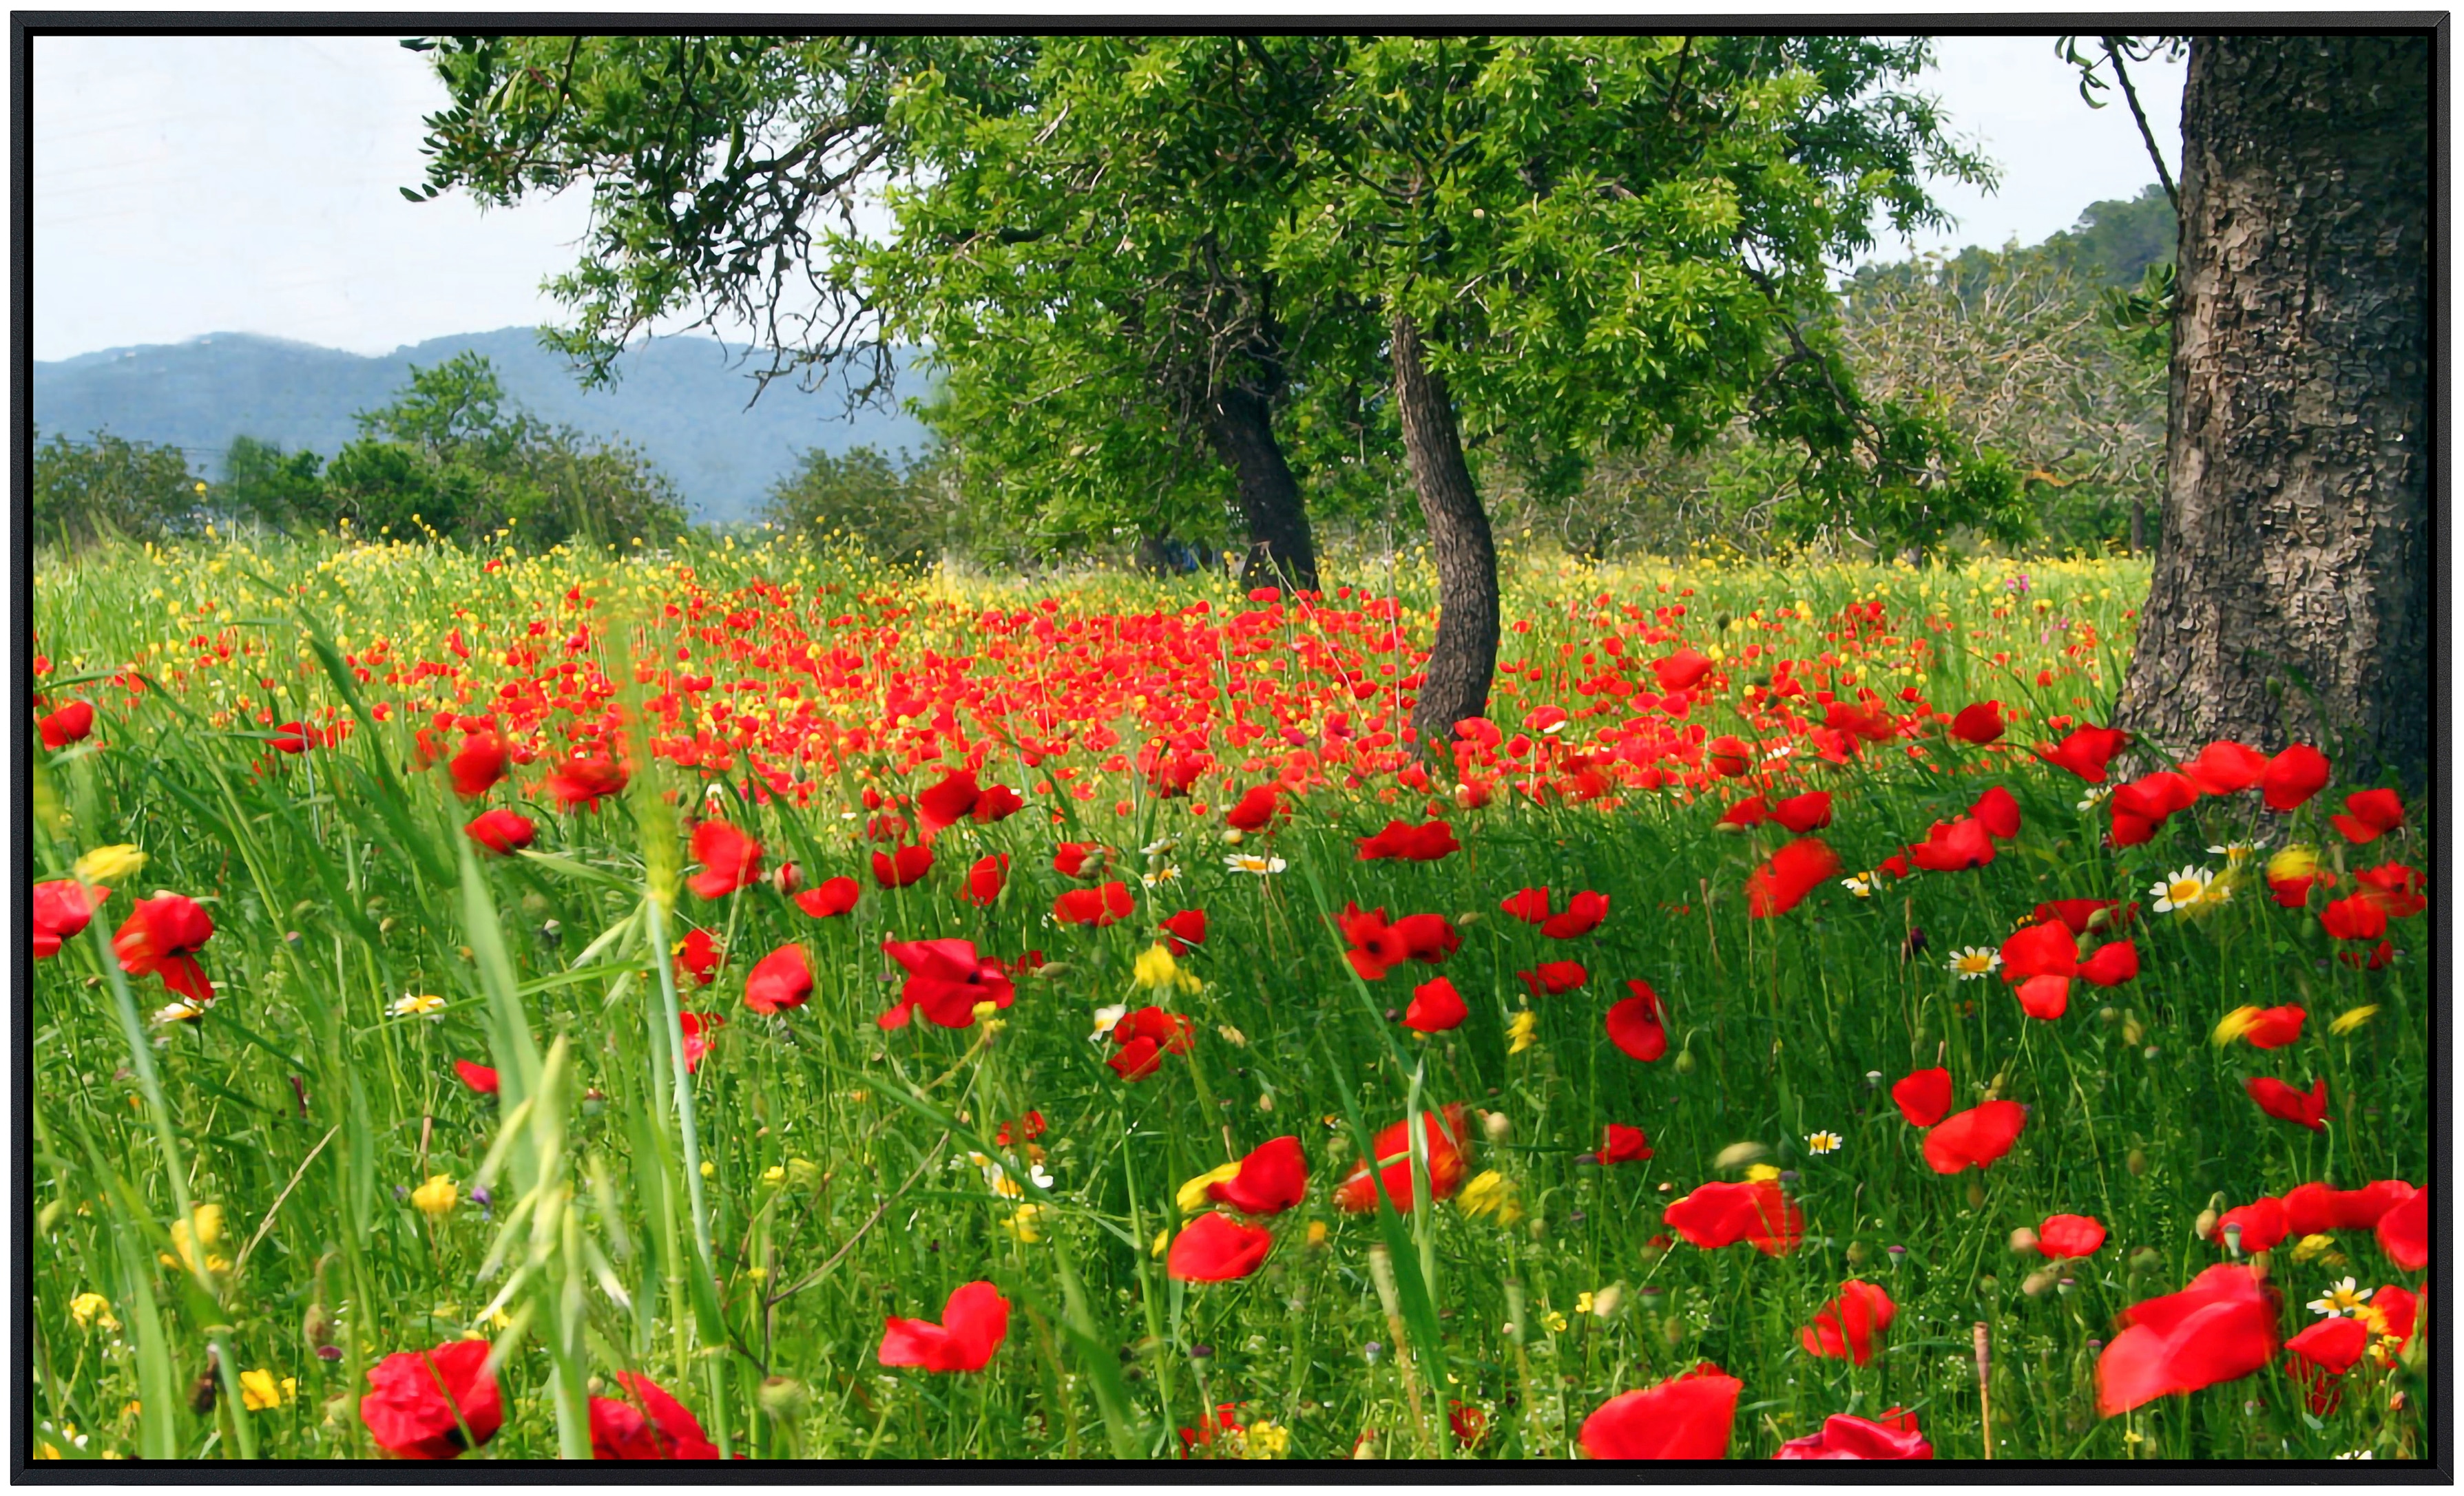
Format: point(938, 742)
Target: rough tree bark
point(1464, 659)
point(2291, 591)
point(1241, 424)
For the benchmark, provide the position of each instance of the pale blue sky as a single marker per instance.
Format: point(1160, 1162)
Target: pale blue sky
point(186, 186)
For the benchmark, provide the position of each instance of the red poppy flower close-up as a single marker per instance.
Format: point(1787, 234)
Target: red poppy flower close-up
point(645, 1424)
point(2404, 1231)
point(1273, 1178)
point(1435, 1007)
point(1095, 907)
point(1216, 1248)
point(501, 831)
point(2219, 1329)
point(1844, 1435)
point(161, 938)
point(2306, 1109)
point(945, 979)
point(1845, 1328)
point(1186, 929)
point(1688, 1417)
point(974, 1324)
point(432, 1404)
point(1623, 1144)
point(905, 866)
point(478, 1077)
point(2225, 767)
point(2291, 777)
point(1581, 915)
point(73, 723)
point(1720, 1214)
point(1635, 1024)
point(582, 783)
point(62, 909)
point(1980, 723)
point(780, 979)
point(2065, 1237)
point(985, 878)
point(2369, 814)
point(830, 898)
point(1792, 872)
point(1551, 977)
point(1923, 1096)
point(1441, 1135)
point(478, 765)
point(1975, 1137)
point(730, 859)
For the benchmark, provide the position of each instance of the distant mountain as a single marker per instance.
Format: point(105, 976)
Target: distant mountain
point(682, 399)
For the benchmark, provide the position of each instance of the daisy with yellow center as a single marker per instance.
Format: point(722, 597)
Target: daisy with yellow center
point(2340, 1299)
point(1862, 884)
point(2189, 890)
point(419, 1005)
point(2235, 853)
point(1824, 1142)
point(1255, 864)
point(1974, 961)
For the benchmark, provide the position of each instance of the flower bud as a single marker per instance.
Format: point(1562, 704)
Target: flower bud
point(2023, 1240)
point(782, 1396)
point(2137, 1163)
point(2036, 1283)
point(1684, 1062)
point(1499, 1127)
point(1975, 1196)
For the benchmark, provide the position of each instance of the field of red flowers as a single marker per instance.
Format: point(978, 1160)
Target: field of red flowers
point(747, 1003)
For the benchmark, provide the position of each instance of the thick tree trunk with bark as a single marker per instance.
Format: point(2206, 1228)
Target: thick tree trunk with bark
point(2291, 592)
point(1242, 426)
point(1455, 685)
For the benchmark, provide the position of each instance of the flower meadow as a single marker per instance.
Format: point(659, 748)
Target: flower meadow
point(747, 1003)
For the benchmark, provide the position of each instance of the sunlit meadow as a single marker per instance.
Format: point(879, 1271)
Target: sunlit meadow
point(564, 1006)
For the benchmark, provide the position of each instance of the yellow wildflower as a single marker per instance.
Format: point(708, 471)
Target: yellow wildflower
point(1156, 968)
point(1021, 1223)
point(2350, 1019)
point(208, 1230)
point(776, 1174)
point(109, 864)
point(90, 1308)
point(1266, 1439)
point(1556, 1321)
point(259, 1390)
point(1317, 1233)
point(2293, 862)
point(1193, 1196)
point(436, 1197)
point(1490, 1192)
point(1524, 1031)
point(1762, 1172)
point(2314, 1246)
point(2235, 1024)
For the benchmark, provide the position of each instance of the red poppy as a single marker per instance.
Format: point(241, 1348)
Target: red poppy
point(1635, 1024)
point(2226, 768)
point(1377, 946)
point(1470, 1424)
point(2079, 915)
point(583, 782)
point(1531, 906)
point(2273, 1029)
point(1425, 842)
point(1135, 1060)
point(780, 979)
point(1780, 883)
point(1923, 1097)
point(973, 1323)
point(1979, 724)
point(1435, 1007)
point(1720, 1214)
point(2319, 1357)
point(2279, 1100)
point(1751, 811)
point(1974, 1137)
point(985, 878)
point(2360, 916)
point(478, 1077)
point(1686, 1417)
point(1682, 671)
point(946, 978)
point(1953, 846)
point(70, 724)
point(1097, 907)
point(1803, 813)
point(647, 1424)
point(908, 865)
point(1258, 808)
point(1554, 976)
point(997, 803)
point(2085, 752)
point(62, 909)
point(1441, 1141)
point(2398, 1312)
point(1727, 756)
point(1218, 1424)
point(2253, 1228)
point(2315, 1207)
point(2220, 1327)
point(1081, 859)
point(2146, 802)
point(2291, 777)
point(1997, 812)
point(1846, 1437)
point(2404, 1231)
point(1845, 1328)
point(952, 799)
point(292, 737)
point(1186, 929)
point(1216, 1248)
point(1145, 1037)
point(1273, 1178)
point(162, 938)
point(1581, 915)
point(479, 764)
point(730, 860)
point(420, 1401)
point(1428, 939)
point(832, 897)
point(501, 831)
point(699, 958)
point(2064, 1236)
point(698, 1029)
point(1624, 1144)
point(2041, 959)
point(2394, 887)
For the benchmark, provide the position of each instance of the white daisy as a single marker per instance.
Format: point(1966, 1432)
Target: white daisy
point(1254, 864)
point(1824, 1142)
point(2096, 793)
point(419, 1005)
point(1974, 961)
point(2187, 890)
point(2340, 1299)
point(1105, 1018)
point(2235, 853)
point(1862, 884)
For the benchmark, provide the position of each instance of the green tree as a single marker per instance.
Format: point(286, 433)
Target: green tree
point(899, 508)
point(108, 486)
point(280, 489)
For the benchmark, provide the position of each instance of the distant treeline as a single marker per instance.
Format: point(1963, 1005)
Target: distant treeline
point(2052, 356)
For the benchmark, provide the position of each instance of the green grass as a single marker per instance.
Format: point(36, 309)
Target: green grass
point(754, 1287)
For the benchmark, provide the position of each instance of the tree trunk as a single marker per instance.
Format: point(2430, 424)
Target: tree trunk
point(1455, 685)
point(2138, 523)
point(2290, 600)
point(1281, 555)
